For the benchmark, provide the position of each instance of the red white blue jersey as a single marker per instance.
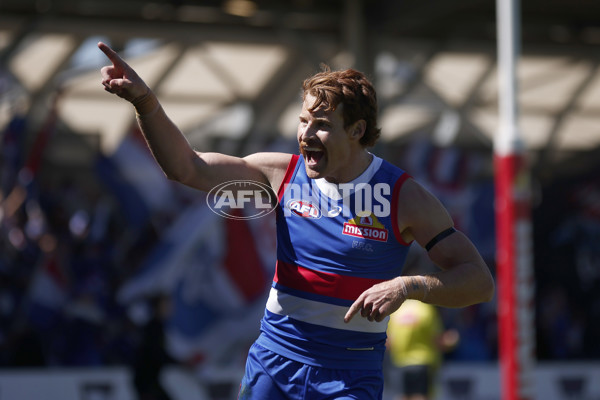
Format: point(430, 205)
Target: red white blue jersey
point(333, 243)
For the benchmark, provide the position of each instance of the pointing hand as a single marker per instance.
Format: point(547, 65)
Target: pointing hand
point(119, 78)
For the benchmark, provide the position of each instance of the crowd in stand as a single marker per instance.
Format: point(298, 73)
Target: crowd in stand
point(63, 256)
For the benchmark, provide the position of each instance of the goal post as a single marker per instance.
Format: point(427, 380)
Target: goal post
point(514, 249)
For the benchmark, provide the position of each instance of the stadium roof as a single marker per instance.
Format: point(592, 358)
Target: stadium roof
point(228, 72)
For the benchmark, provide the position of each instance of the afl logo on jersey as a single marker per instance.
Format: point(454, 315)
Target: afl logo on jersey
point(303, 208)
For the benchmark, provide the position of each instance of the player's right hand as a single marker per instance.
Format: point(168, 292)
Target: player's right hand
point(119, 78)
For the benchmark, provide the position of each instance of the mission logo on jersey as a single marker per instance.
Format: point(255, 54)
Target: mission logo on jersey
point(366, 227)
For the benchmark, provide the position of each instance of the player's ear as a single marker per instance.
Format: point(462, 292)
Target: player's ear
point(357, 130)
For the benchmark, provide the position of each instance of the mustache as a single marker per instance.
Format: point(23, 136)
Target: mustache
point(310, 143)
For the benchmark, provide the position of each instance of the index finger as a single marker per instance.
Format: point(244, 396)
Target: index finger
point(111, 54)
point(354, 308)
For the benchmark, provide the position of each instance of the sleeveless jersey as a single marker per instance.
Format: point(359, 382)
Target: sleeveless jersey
point(333, 243)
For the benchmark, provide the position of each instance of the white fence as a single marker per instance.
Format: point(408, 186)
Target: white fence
point(458, 381)
point(556, 381)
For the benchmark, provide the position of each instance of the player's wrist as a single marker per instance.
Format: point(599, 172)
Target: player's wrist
point(145, 104)
point(416, 288)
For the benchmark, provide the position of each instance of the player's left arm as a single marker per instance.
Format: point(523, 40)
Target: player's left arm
point(463, 279)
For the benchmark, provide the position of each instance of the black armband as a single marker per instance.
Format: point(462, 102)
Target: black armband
point(442, 235)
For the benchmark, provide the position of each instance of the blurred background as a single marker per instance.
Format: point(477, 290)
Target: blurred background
point(108, 271)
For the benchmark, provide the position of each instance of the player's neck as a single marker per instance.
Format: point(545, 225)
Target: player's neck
point(354, 168)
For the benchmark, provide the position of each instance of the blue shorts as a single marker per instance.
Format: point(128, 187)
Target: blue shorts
point(271, 376)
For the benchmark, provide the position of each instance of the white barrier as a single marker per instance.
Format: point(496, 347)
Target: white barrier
point(66, 384)
point(458, 381)
point(553, 381)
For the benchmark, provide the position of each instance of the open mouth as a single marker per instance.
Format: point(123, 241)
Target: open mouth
point(312, 155)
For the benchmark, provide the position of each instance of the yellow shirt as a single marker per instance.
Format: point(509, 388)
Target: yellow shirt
point(413, 334)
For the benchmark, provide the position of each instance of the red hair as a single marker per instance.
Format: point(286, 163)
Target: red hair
point(350, 88)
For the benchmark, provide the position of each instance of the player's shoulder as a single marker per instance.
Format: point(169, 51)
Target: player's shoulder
point(273, 165)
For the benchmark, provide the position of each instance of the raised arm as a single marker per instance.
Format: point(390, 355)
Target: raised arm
point(463, 279)
point(169, 146)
